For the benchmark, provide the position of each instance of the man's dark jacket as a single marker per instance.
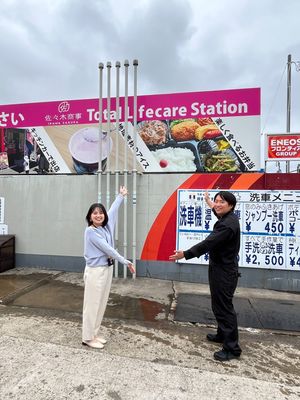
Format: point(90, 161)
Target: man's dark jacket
point(222, 244)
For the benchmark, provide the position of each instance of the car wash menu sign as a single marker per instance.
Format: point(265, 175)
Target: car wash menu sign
point(269, 220)
point(215, 131)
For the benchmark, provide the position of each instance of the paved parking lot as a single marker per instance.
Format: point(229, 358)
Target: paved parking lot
point(149, 355)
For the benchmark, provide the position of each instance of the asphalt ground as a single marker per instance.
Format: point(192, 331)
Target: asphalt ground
point(274, 314)
point(156, 346)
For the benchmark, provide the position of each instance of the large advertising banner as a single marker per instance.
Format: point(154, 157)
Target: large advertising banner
point(269, 220)
point(216, 131)
point(283, 146)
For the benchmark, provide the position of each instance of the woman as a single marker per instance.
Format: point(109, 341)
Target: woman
point(99, 254)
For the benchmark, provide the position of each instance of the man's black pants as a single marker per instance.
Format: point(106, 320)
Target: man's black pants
point(223, 282)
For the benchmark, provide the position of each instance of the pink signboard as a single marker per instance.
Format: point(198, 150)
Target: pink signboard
point(214, 131)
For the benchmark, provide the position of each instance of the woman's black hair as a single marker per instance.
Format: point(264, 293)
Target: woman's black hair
point(227, 196)
point(91, 210)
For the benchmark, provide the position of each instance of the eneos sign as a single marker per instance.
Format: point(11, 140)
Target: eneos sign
point(284, 146)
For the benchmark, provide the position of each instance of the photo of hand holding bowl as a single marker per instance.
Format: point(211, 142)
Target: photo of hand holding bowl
point(79, 146)
point(84, 146)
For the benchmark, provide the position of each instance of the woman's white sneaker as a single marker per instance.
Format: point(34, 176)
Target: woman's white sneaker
point(95, 344)
point(100, 340)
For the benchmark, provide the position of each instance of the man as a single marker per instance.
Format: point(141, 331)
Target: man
point(223, 246)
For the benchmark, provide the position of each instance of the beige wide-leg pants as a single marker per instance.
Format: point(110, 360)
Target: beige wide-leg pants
point(97, 284)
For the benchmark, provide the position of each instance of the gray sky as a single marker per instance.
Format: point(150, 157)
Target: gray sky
point(50, 49)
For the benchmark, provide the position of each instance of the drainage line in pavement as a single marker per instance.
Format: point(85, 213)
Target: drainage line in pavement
point(255, 312)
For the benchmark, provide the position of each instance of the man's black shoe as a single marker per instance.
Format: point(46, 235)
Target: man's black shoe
point(224, 355)
point(213, 338)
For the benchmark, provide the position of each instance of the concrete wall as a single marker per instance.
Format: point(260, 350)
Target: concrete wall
point(47, 215)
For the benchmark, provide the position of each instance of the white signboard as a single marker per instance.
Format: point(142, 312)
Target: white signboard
point(1, 210)
point(269, 220)
point(3, 229)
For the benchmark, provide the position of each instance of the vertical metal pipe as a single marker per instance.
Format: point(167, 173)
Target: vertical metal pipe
point(108, 65)
point(126, 64)
point(118, 65)
point(288, 108)
point(117, 171)
point(289, 85)
point(135, 65)
point(99, 172)
point(134, 196)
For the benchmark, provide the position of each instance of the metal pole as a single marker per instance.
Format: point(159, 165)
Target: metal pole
point(289, 87)
point(126, 64)
point(117, 172)
point(135, 65)
point(99, 172)
point(108, 65)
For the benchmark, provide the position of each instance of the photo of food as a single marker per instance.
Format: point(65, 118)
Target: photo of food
point(182, 157)
point(153, 132)
point(189, 145)
point(183, 130)
point(220, 161)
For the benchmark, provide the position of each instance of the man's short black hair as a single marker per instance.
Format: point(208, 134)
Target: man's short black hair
point(227, 196)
